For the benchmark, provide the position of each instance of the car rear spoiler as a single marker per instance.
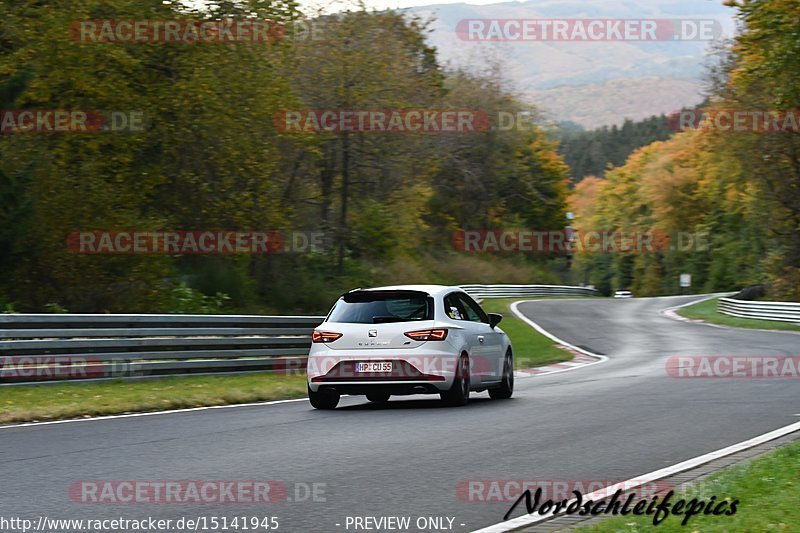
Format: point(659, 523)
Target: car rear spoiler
point(359, 295)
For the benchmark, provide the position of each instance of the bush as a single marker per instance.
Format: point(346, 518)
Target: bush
point(185, 300)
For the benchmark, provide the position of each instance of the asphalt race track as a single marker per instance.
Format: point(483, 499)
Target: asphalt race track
point(611, 421)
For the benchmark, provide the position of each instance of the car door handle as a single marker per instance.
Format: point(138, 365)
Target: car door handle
point(480, 338)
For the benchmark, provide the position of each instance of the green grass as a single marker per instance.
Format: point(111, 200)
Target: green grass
point(707, 311)
point(767, 490)
point(73, 400)
point(531, 348)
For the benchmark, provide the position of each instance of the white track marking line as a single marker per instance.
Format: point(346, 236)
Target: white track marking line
point(637, 481)
point(151, 413)
point(514, 309)
point(526, 520)
point(670, 312)
point(254, 404)
point(534, 325)
point(537, 327)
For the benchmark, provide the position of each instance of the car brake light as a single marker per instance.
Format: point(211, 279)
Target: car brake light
point(428, 335)
point(324, 336)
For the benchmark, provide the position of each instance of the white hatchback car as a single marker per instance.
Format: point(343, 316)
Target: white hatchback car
point(412, 339)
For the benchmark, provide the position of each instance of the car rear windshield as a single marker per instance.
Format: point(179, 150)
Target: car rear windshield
point(373, 307)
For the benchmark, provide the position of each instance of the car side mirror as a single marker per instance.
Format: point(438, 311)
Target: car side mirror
point(494, 319)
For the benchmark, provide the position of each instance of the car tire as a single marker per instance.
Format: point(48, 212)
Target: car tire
point(458, 394)
point(323, 399)
point(378, 397)
point(506, 388)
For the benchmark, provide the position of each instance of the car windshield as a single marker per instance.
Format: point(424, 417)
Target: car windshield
point(382, 307)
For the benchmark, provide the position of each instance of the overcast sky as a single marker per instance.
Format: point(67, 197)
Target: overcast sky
point(331, 6)
point(340, 5)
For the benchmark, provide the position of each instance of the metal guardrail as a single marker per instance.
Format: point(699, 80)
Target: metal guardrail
point(514, 291)
point(36, 347)
point(780, 311)
point(48, 347)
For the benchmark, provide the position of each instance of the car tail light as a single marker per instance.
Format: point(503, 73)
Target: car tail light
point(324, 336)
point(428, 335)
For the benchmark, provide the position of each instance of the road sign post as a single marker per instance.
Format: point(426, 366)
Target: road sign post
point(685, 281)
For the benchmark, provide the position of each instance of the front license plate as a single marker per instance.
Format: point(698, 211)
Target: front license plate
point(373, 367)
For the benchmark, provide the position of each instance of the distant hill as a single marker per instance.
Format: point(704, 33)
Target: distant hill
point(595, 83)
point(612, 102)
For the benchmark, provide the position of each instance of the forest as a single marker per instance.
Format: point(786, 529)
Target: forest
point(211, 156)
point(739, 187)
point(590, 153)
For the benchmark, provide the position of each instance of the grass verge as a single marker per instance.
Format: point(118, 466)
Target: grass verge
point(531, 348)
point(707, 311)
point(766, 489)
point(74, 400)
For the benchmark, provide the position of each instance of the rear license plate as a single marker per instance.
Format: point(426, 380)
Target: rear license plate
point(373, 367)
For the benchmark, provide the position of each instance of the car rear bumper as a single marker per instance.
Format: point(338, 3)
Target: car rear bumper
point(395, 389)
point(412, 373)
